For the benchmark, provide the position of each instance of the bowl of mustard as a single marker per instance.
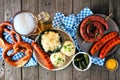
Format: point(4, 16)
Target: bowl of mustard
point(111, 64)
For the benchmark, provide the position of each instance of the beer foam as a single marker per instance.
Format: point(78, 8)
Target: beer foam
point(24, 23)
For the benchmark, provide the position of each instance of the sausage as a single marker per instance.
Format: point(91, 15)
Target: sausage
point(111, 44)
point(95, 28)
point(97, 18)
point(99, 44)
point(43, 55)
point(98, 21)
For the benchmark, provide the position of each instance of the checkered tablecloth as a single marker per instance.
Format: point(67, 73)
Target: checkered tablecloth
point(70, 23)
point(8, 38)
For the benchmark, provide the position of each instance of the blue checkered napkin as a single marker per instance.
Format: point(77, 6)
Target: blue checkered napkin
point(31, 62)
point(70, 23)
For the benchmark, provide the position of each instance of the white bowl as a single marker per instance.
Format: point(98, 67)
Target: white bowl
point(88, 66)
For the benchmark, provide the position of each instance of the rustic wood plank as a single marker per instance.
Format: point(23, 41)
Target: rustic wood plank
point(30, 73)
point(99, 73)
point(30, 5)
point(2, 69)
point(65, 74)
point(79, 5)
point(59, 5)
point(11, 73)
point(100, 7)
point(115, 9)
point(78, 75)
point(64, 6)
point(67, 7)
point(48, 6)
point(115, 75)
point(46, 74)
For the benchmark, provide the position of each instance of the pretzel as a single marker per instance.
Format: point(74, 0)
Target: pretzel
point(3, 28)
point(18, 47)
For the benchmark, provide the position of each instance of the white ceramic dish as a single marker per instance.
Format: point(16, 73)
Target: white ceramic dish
point(89, 65)
point(65, 37)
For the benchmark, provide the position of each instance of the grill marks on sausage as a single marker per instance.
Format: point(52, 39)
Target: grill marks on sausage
point(92, 28)
point(110, 45)
point(99, 44)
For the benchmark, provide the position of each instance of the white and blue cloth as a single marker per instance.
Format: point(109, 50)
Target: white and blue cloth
point(70, 23)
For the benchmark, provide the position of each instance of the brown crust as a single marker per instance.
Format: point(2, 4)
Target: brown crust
point(18, 47)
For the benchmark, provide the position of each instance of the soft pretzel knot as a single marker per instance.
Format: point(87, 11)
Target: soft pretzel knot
point(15, 37)
point(18, 47)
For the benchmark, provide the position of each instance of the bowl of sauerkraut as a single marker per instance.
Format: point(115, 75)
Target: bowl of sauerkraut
point(58, 45)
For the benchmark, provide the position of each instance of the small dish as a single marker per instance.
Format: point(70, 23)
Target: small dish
point(111, 64)
point(82, 61)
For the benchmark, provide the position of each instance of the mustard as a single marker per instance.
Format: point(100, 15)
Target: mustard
point(111, 64)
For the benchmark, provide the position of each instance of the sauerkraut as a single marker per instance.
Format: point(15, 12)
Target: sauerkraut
point(50, 41)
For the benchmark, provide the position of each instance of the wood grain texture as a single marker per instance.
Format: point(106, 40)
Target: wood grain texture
point(64, 6)
point(2, 68)
point(30, 5)
point(65, 74)
point(30, 73)
point(100, 6)
point(48, 6)
point(115, 9)
point(101, 70)
point(10, 8)
point(46, 74)
point(79, 5)
point(78, 75)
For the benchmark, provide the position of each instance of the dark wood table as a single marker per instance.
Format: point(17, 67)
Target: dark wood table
point(9, 7)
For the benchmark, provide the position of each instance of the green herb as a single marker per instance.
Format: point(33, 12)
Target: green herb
point(65, 46)
point(69, 45)
point(69, 50)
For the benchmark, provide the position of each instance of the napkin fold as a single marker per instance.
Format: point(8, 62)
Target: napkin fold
point(8, 38)
point(70, 23)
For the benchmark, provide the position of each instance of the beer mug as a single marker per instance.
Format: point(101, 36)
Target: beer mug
point(25, 23)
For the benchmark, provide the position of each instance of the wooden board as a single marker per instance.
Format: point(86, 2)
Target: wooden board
point(11, 73)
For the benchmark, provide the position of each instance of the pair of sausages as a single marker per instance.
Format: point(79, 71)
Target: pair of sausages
point(108, 41)
point(92, 28)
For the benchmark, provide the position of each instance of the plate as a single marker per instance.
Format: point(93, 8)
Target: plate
point(65, 37)
point(87, 45)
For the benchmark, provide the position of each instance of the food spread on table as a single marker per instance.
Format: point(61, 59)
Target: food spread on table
point(52, 48)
